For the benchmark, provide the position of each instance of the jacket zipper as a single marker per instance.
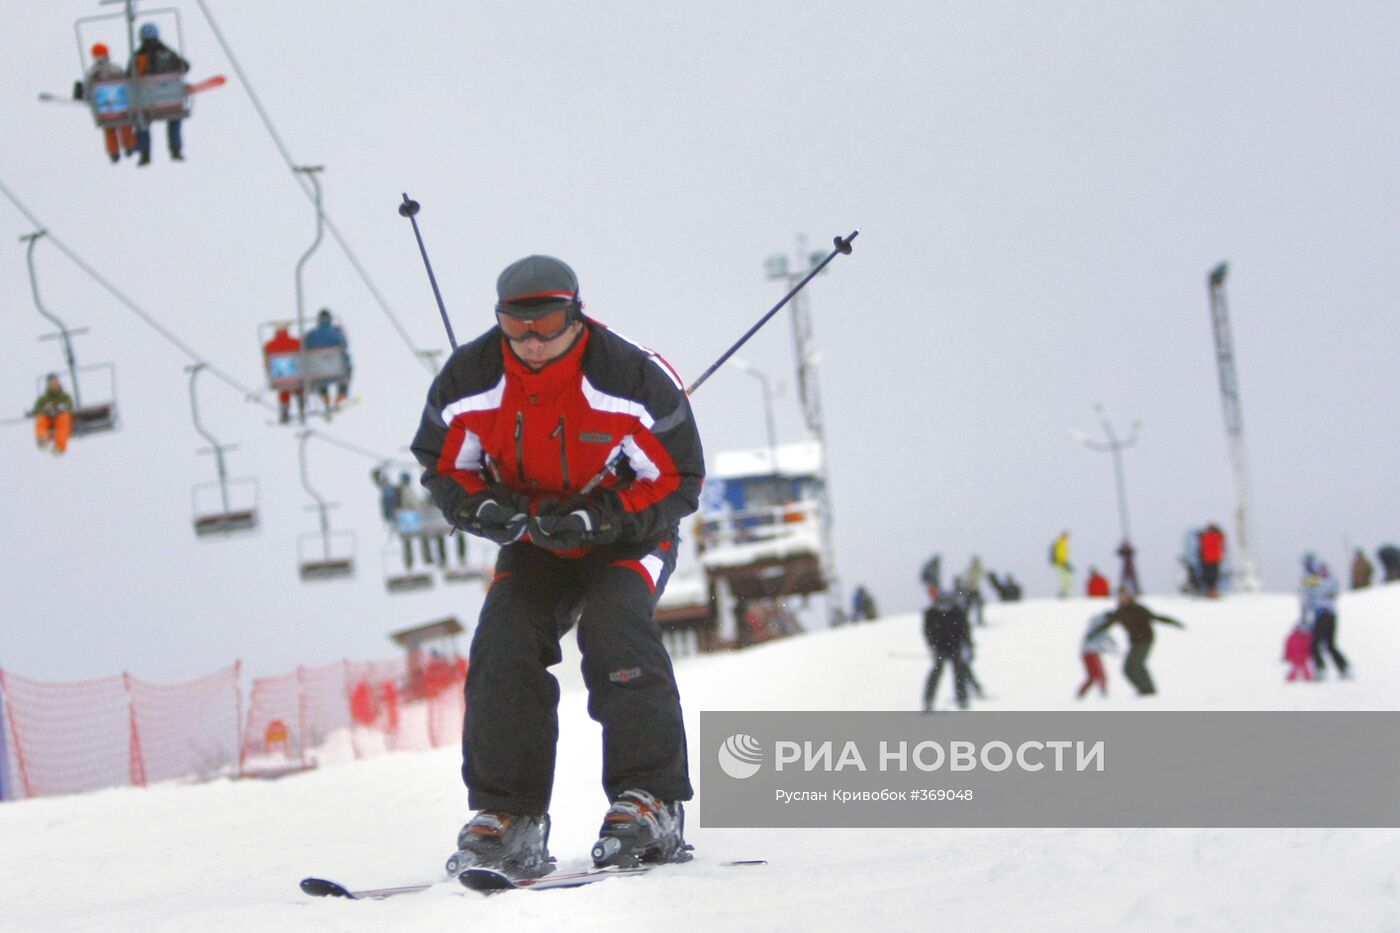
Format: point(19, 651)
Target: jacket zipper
point(520, 445)
point(563, 451)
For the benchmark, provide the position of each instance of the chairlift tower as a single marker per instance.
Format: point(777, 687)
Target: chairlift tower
point(1248, 578)
point(807, 356)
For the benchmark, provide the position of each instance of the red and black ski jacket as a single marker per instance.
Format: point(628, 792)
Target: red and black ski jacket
point(490, 418)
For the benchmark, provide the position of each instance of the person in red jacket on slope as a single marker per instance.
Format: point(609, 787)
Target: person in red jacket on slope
point(1212, 555)
point(1098, 584)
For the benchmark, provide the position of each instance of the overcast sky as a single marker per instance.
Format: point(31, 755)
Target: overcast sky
point(1041, 190)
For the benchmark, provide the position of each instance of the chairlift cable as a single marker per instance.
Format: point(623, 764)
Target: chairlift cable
point(346, 445)
point(121, 296)
point(307, 189)
point(249, 395)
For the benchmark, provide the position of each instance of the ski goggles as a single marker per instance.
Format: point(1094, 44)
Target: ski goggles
point(544, 328)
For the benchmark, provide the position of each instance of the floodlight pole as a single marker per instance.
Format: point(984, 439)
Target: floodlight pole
point(1115, 446)
point(762, 377)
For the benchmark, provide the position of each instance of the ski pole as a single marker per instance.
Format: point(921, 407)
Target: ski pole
point(410, 208)
point(842, 245)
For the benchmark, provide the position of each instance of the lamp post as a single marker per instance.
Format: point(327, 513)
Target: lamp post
point(747, 368)
point(777, 267)
point(1115, 446)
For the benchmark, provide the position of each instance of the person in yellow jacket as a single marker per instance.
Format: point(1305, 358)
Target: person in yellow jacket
point(53, 416)
point(1059, 559)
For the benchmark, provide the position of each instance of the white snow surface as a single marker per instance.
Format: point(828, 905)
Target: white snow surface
point(227, 855)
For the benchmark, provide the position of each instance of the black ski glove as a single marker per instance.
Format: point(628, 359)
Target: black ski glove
point(497, 514)
point(576, 523)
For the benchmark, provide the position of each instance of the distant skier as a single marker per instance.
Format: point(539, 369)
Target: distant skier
point(154, 57)
point(1362, 570)
point(1095, 642)
point(1319, 598)
point(931, 574)
point(972, 580)
point(53, 416)
point(1097, 585)
point(1297, 651)
point(949, 637)
point(1059, 559)
point(1389, 556)
point(863, 605)
point(1127, 574)
point(1191, 561)
point(1007, 589)
point(962, 594)
point(1136, 620)
point(1212, 551)
point(518, 422)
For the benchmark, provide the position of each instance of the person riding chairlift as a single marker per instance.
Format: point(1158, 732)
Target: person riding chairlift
point(53, 416)
point(154, 57)
point(104, 69)
point(323, 336)
point(283, 344)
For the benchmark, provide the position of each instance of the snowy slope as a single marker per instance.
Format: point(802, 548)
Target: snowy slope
point(227, 855)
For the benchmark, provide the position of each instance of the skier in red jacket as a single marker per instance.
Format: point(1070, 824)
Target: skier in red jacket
point(518, 425)
point(1098, 584)
point(1212, 554)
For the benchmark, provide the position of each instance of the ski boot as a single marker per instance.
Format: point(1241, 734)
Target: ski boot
point(514, 845)
point(639, 829)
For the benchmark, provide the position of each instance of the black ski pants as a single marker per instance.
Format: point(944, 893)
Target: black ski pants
point(961, 676)
point(512, 725)
point(1324, 637)
point(1135, 668)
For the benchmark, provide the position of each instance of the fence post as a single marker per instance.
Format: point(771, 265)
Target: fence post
point(19, 743)
point(240, 725)
point(138, 766)
point(4, 751)
point(301, 715)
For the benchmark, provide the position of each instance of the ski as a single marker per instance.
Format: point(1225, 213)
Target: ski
point(206, 84)
point(489, 881)
point(322, 887)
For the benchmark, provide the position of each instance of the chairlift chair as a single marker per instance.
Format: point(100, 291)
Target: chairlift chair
point(230, 513)
point(92, 417)
point(471, 564)
point(224, 519)
point(325, 556)
point(89, 417)
point(135, 101)
point(308, 372)
point(399, 578)
point(337, 548)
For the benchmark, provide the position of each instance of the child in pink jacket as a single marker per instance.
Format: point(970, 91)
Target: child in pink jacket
point(1297, 651)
